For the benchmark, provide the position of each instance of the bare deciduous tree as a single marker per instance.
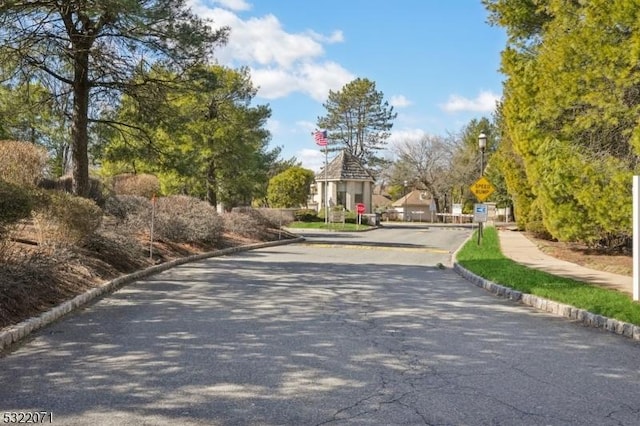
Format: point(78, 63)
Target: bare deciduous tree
point(426, 163)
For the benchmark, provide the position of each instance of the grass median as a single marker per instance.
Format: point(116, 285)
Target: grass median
point(487, 261)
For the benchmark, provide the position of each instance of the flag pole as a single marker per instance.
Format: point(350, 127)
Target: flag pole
point(326, 186)
point(322, 140)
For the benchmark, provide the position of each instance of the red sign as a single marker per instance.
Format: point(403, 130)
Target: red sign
point(360, 208)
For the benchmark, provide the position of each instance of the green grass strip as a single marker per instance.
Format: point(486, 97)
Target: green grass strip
point(487, 261)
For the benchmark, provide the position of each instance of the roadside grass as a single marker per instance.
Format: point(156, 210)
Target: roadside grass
point(330, 226)
point(487, 261)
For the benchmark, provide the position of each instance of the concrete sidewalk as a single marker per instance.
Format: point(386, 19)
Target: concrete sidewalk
point(516, 246)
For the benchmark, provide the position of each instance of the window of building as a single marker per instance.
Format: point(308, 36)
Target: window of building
point(342, 194)
point(358, 196)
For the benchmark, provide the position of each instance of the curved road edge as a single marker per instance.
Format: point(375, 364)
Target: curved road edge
point(17, 332)
point(585, 317)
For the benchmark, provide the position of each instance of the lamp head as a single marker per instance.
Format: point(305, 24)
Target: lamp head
point(482, 141)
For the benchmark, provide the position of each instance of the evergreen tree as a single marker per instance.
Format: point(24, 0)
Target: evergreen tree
point(207, 141)
point(358, 120)
point(569, 112)
point(92, 49)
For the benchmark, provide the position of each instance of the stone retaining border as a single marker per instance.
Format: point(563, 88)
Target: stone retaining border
point(19, 331)
point(585, 317)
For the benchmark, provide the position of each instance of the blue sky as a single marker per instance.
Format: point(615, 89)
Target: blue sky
point(435, 61)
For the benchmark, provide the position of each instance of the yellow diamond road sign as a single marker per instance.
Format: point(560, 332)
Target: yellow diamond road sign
point(482, 188)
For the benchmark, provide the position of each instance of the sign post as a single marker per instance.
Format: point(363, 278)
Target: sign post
point(456, 211)
point(481, 188)
point(480, 215)
point(154, 201)
point(360, 209)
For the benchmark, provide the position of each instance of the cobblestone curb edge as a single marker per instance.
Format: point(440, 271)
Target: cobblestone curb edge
point(587, 318)
point(21, 330)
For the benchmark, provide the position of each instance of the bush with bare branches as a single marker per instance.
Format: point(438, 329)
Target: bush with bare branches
point(64, 219)
point(131, 212)
point(97, 191)
point(144, 185)
point(185, 219)
point(26, 285)
point(22, 163)
point(276, 218)
point(250, 223)
point(15, 204)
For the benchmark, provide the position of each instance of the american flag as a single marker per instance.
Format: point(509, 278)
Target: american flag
point(321, 137)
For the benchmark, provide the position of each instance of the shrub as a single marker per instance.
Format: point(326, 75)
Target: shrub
point(65, 183)
point(350, 217)
point(306, 215)
point(120, 250)
point(240, 224)
point(144, 185)
point(248, 223)
point(187, 220)
point(27, 284)
point(535, 224)
point(22, 163)
point(132, 212)
point(15, 204)
point(538, 230)
point(64, 219)
point(276, 218)
point(267, 218)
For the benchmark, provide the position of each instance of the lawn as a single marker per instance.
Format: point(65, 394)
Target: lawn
point(487, 261)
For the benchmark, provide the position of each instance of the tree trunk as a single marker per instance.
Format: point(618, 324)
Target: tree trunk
point(212, 196)
point(80, 121)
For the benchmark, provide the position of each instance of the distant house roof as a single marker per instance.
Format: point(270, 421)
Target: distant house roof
point(344, 167)
point(380, 201)
point(414, 199)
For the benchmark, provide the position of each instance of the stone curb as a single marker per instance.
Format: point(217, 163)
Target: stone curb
point(19, 331)
point(585, 317)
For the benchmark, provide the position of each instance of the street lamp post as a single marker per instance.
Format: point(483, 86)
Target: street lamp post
point(405, 200)
point(482, 145)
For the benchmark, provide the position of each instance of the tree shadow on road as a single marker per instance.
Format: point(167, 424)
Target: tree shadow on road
point(242, 341)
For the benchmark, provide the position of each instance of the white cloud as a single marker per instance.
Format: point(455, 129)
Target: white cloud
point(314, 80)
point(400, 101)
point(399, 136)
point(281, 62)
point(306, 126)
point(319, 78)
point(312, 159)
point(271, 82)
point(262, 41)
point(238, 5)
point(335, 37)
point(273, 126)
point(484, 102)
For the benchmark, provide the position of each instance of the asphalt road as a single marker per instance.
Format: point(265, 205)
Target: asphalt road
point(343, 329)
